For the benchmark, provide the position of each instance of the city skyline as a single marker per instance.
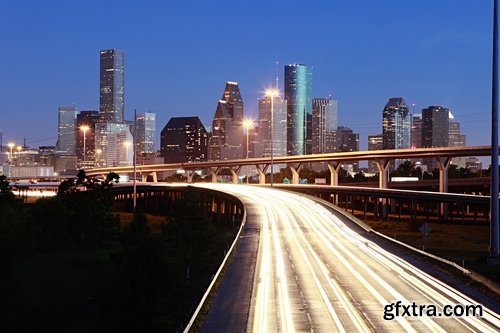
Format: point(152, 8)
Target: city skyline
point(447, 65)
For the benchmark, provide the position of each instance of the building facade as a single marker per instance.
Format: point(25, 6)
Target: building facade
point(396, 124)
point(66, 130)
point(435, 131)
point(348, 141)
point(324, 125)
point(146, 133)
point(112, 86)
point(184, 140)
point(85, 144)
point(227, 139)
point(113, 145)
point(298, 92)
point(375, 142)
point(276, 134)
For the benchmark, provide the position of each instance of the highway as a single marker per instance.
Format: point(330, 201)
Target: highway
point(314, 273)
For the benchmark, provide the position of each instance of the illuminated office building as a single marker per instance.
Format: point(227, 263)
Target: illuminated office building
point(112, 86)
point(298, 90)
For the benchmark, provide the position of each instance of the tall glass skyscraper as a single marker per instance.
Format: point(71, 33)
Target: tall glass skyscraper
point(396, 124)
point(112, 86)
point(435, 131)
point(66, 130)
point(146, 132)
point(279, 126)
point(298, 89)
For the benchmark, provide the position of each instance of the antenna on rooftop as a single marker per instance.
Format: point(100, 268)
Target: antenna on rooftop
point(277, 75)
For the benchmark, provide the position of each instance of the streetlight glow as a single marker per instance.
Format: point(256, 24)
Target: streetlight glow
point(84, 129)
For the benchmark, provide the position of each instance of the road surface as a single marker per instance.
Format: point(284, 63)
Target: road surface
point(313, 273)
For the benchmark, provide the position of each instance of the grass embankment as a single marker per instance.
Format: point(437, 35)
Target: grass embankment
point(464, 244)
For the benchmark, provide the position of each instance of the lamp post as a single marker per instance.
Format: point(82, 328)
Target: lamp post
point(494, 258)
point(84, 129)
point(247, 123)
point(271, 93)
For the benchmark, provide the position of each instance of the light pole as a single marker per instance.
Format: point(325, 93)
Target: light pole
point(84, 129)
point(247, 123)
point(271, 93)
point(494, 258)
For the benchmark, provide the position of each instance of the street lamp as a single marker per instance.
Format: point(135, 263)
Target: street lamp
point(11, 145)
point(271, 93)
point(84, 129)
point(247, 123)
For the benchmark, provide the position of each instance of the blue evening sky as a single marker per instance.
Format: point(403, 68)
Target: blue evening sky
point(179, 54)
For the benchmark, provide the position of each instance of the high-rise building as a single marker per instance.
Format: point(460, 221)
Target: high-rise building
point(113, 145)
point(85, 143)
point(112, 86)
point(184, 139)
point(278, 127)
point(396, 124)
point(396, 129)
point(66, 130)
point(348, 141)
point(226, 141)
point(435, 131)
point(298, 91)
point(324, 125)
point(416, 131)
point(146, 132)
point(456, 139)
point(375, 142)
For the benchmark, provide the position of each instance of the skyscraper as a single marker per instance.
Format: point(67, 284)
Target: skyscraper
point(456, 139)
point(184, 139)
point(66, 130)
point(375, 142)
point(396, 129)
point(146, 132)
point(112, 86)
point(226, 141)
point(279, 126)
point(298, 91)
point(396, 124)
point(348, 141)
point(114, 142)
point(435, 131)
point(324, 125)
point(416, 131)
point(86, 155)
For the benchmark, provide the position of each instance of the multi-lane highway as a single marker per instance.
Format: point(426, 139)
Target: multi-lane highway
point(313, 273)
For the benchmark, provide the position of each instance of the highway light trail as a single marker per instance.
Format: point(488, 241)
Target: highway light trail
point(315, 274)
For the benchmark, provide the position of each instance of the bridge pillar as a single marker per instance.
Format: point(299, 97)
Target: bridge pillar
point(189, 176)
point(443, 165)
point(295, 173)
point(155, 177)
point(262, 173)
point(383, 172)
point(334, 168)
point(215, 172)
point(383, 182)
point(235, 174)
